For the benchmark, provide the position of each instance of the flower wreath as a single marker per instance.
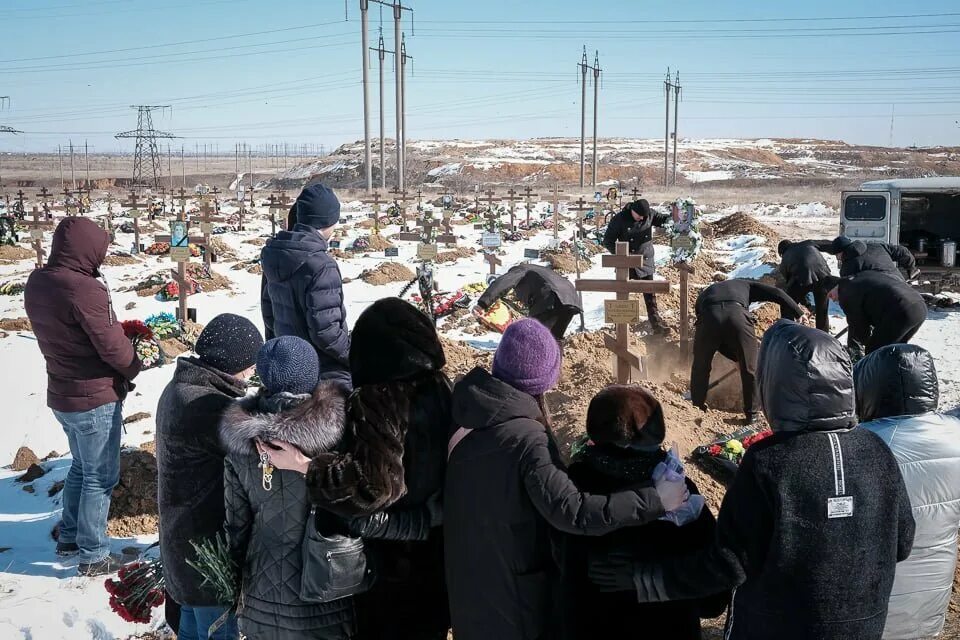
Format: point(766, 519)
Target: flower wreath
point(684, 254)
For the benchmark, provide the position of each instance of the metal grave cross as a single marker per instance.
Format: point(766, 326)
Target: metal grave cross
point(36, 227)
point(374, 201)
point(135, 215)
point(623, 311)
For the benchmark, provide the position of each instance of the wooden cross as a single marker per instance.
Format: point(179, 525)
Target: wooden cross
point(493, 261)
point(242, 209)
point(401, 198)
point(581, 208)
point(685, 272)
point(556, 210)
point(448, 237)
point(181, 255)
point(529, 195)
point(206, 221)
point(278, 203)
point(374, 201)
point(45, 200)
point(623, 311)
point(21, 206)
point(36, 227)
point(513, 198)
point(635, 194)
point(68, 204)
point(427, 249)
point(135, 214)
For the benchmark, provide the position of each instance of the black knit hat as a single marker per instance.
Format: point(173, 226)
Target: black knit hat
point(841, 244)
point(288, 364)
point(318, 207)
point(229, 343)
point(640, 207)
point(393, 340)
point(626, 413)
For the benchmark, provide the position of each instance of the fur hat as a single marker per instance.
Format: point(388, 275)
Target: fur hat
point(528, 357)
point(229, 343)
point(288, 364)
point(393, 340)
point(318, 207)
point(626, 413)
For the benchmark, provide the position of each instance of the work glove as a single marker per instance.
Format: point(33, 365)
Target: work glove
point(612, 571)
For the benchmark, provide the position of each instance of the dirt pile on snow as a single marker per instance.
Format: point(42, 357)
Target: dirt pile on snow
point(455, 254)
point(563, 262)
point(742, 224)
point(222, 250)
point(462, 358)
point(257, 242)
point(375, 242)
point(23, 459)
point(120, 260)
point(10, 253)
point(15, 324)
point(208, 280)
point(133, 507)
point(387, 272)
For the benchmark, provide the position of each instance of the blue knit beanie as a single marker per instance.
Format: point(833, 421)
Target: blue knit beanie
point(288, 364)
point(318, 207)
point(528, 357)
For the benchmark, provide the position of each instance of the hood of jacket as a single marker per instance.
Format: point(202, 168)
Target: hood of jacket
point(285, 253)
point(79, 245)
point(805, 380)
point(481, 401)
point(313, 423)
point(194, 372)
point(897, 380)
point(855, 249)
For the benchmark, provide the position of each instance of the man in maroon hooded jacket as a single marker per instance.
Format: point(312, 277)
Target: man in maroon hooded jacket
point(90, 363)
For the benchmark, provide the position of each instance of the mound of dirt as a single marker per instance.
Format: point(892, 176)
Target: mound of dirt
point(455, 254)
point(172, 348)
point(378, 243)
point(222, 250)
point(387, 272)
point(208, 280)
point(462, 358)
point(15, 324)
point(23, 459)
point(120, 260)
point(257, 242)
point(742, 224)
point(133, 508)
point(339, 254)
point(15, 253)
point(564, 263)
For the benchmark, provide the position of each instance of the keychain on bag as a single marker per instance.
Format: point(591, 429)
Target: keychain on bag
point(267, 478)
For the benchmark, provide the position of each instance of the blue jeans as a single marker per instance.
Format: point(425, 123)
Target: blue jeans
point(94, 438)
point(195, 623)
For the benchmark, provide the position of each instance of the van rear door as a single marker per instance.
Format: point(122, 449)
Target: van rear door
point(865, 215)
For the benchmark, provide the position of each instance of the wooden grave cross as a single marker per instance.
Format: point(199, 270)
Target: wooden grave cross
point(556, 211)
point(277, 203)
point(45, 200)
point(135, 215)
point(36, 227)
point(181, 255)
point(69, 207)
point(685, 272)
point(400, 199)
point(623, 311)
point(374, 201)
point(513, 198)
point(21, 206)
point(491, 238)
point(424, 235)
point(528, 196)
point(581, 208)
point(206, 221)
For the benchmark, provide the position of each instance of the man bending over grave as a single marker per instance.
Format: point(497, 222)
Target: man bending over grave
point(302, 291)
point(635, 225)
point(805, 271)
point(725, 324)
point(548, 296)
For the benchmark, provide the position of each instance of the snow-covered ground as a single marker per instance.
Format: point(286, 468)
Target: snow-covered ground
point(41, 598)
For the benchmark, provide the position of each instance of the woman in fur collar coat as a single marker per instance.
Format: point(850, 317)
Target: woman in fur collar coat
point(392, 466)
point(266, 520)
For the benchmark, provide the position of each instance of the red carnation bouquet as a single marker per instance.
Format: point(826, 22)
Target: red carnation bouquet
point(137, 591)
point(727, 452)
point(136, 329)
point(144, 342)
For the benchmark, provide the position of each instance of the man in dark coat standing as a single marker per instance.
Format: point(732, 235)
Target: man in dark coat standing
point(635, 225)
point(855, 256)
point(302, 291)
point(725, 324)
point(190, 462)
point(881, 309)
point(90, 363)
point(804, 269)
point(817, 518)
point(549, 297)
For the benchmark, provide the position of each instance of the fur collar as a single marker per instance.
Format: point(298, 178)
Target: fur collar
point(314, 424)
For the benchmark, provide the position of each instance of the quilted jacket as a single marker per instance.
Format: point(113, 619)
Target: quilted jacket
point(897, 392)
point(265, 529)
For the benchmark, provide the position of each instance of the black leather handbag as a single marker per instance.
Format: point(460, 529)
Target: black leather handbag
point(334, 566)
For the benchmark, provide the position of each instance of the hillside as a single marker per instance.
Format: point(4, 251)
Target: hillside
point(461, 164)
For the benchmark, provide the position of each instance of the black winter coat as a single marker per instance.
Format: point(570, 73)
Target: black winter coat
point(744, 292)
point(639, 233)
point(506, 489)
point(542, 290)
point(590, 614)
point(892, 259)
point(190, 471)
point(881, 308)
point(302, 295)
point(818, 514)
point(802, 265)
point(265, 529)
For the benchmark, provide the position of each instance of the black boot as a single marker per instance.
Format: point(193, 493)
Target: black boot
point(108, 565)
point(653, 314)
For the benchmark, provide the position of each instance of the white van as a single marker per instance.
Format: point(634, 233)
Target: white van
point(922, 214)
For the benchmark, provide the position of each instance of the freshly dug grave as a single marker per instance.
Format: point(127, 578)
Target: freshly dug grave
point(743, 224)
point(462, 358)
point(133, 507)
point(15, 324)
point(455, 254)
point(222, 250)
point(120, 260)
point(387, 272)
point(563, 262)
point(376, 243)
point(15, 253)
point(208, 280)
point(257, 242)
point(250, 266)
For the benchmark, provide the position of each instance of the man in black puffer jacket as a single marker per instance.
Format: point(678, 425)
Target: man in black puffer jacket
point(816, 519)
point(881, 309)
point(302, 291)
point(855, 256)
point(190, 461)
point(804, 269)
point(635, 225)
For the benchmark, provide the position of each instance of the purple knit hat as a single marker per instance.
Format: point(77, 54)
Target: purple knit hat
point(528, 357)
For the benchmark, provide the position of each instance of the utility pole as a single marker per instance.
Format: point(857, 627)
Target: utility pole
point(183, 169)
point(676, 119)
point(382, 55)
point(668, 86)
point(397, 16)
point(60, 162)
point(585, 66)
point(146, 148)
point(86, 161)
point(364, 39)
point(73, 175)
point(403, 95)
point(596, 102)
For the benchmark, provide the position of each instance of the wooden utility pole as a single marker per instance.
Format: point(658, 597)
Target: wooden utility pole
point(676, 120)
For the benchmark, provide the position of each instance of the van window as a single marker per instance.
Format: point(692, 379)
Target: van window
point(865, 208)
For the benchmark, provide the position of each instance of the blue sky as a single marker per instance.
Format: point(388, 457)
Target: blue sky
point(289, 70)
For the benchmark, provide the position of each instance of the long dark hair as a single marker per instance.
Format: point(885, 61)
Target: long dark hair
point(545, 418)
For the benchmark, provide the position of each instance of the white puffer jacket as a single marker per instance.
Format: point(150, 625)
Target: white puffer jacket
point(897, 392)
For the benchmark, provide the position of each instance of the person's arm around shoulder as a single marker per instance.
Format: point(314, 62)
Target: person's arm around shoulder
point(570, 510)
point(410, 525)
point(93, 312)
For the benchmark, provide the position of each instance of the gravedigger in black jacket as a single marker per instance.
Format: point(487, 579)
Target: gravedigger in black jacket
point(855, 256)
point(725, 324)
point(549, 297)
point(881, 309)
point(816, 519)
point(634, 224)
point(804, 269)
